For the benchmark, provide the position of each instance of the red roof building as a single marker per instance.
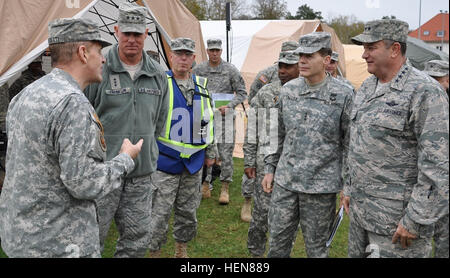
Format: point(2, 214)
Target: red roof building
point(434, 31)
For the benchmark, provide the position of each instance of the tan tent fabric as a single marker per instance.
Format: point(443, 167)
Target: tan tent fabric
point(20, 36)
point(266, 44)
point(24, 25)
point(356, 65)
point(178, 21)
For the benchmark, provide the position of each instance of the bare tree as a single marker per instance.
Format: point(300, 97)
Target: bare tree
point(269, 9)
point(216, 9)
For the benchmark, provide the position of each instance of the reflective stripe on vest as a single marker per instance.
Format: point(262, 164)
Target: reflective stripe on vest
point(186, 150)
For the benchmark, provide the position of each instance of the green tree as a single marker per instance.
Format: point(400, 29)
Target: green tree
point(269, 9)
point(346, 27)
point(197, 8)
point(305, 12)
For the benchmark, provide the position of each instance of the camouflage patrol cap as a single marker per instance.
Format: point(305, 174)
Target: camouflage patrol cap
point(313, 42)
point(182, 44)
point(132, 18)
point(289, 46)
point(64, 30)
point(214, 43)
point(436, 68)
point(383, 29)
point(335, 56)
point(289, 57)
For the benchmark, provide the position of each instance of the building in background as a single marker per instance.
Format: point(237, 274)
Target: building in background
point(434, 32)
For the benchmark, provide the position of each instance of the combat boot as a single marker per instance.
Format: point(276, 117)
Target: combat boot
point(181, 250)
point(206, 192)
point(224, 198)
point(155, 254)
point(246, 211)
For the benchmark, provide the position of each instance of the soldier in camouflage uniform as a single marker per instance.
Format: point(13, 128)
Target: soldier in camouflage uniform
point(254, 149)
point(332, 68)
point(56, 161)
point(264, 77)
point(224, 79)
point(313, 118)
point(4, 100)
point(131, 101)
point(398, 155)
point(270, 73)
point(438, 69)
point(33, 73)
point(178, 178)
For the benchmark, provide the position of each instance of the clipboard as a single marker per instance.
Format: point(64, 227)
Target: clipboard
point(336, 223)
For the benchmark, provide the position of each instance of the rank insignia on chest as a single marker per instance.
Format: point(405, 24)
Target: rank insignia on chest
point(333, 97)
point(115, 82)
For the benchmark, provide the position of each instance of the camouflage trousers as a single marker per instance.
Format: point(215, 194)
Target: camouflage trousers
point(182, 193)
point(259, 226)
point(226, 156)
point(247, 186)
point(363, 243)
point(314, 212)
point(130, 207)
point(441, 238)
point(2, 172)
point(224, 127)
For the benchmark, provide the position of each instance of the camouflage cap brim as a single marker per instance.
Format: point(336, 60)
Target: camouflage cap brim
point(289, 57)
point(364, 38)
point(132, 28)
point(182, 48)
point(307, 50)
point(436, 73)
point(216, 46)
point(103, 43)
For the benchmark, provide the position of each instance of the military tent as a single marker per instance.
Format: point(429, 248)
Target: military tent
point(24, 25)
point(418, 53)
point(255, 44)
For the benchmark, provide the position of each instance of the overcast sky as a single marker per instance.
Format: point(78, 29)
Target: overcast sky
point(366, 10)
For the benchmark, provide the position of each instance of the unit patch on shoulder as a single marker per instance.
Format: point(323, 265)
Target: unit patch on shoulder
point(263, 79)
point(102, 131)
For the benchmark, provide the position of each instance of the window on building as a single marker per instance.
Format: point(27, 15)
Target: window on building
point(438, 47)
point(426, 33)
point(440, 34)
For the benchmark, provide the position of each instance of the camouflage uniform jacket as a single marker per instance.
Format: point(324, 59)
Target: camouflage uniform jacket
point(346, 81)
point(224, 79)
point(312, 136)
point(264, 77)
point(398, 156)
point(258, 129)
point(24, 80)
point(132, 109)
point(55, 168)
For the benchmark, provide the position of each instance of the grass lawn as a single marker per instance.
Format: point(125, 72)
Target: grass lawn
point(222, 234)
